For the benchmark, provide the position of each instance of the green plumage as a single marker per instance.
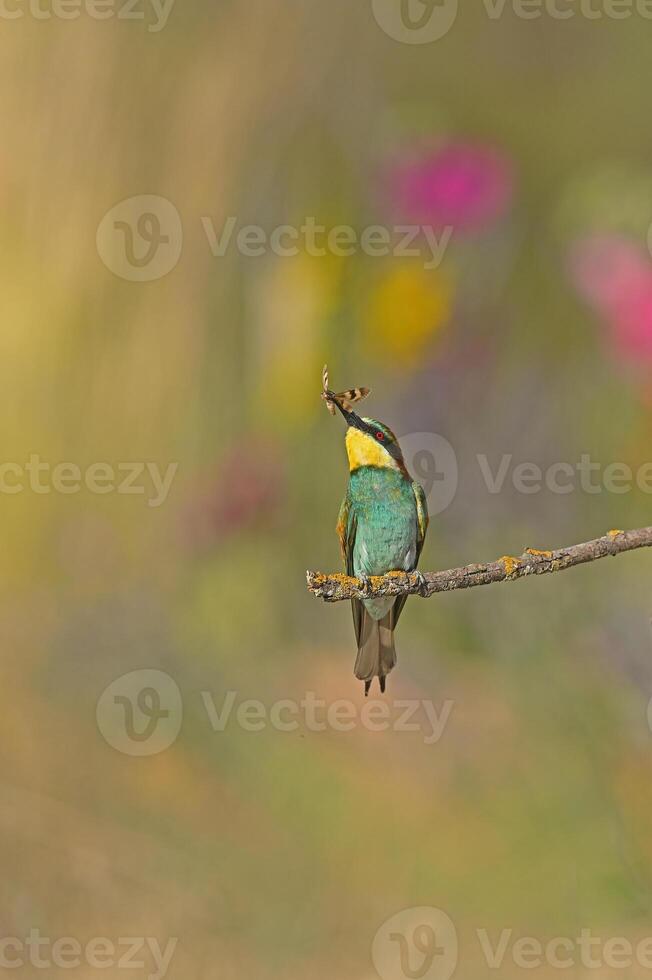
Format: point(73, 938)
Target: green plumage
point(382, 526)
point(382, 503)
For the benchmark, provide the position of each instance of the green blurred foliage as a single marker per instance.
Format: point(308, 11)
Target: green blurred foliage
point(279, 854)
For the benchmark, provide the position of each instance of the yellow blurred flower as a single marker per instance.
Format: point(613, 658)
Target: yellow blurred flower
point(410, 305)
point(294, 299)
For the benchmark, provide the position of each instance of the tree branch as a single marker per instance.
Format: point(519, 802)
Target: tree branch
point(334, 588)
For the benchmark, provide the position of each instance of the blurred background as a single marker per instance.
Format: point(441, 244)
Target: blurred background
point(523, 146)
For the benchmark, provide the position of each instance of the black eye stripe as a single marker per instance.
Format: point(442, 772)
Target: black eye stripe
point(375, 433)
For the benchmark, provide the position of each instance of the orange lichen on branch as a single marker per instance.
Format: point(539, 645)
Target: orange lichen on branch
point(511, 564)
point(333, 588)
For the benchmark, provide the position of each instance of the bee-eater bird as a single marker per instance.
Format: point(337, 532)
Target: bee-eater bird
point(382, 526)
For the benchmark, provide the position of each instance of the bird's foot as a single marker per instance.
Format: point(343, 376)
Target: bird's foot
point(422, 583)
point(367, 685)
point(365, 583)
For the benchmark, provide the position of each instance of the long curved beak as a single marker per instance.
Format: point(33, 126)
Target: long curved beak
point(350, 418)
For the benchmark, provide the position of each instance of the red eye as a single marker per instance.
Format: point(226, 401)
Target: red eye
point(380, 436)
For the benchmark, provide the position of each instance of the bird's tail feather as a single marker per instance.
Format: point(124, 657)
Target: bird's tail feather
point(376, 652)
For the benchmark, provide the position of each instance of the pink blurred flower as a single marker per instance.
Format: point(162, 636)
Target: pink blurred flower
point(465, 185)
point(614, 275)
point(245, 493)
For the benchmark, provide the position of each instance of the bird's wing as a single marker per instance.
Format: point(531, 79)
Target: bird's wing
point(422, 526)
point(422, 517)
point(346, 545)
point(346, 529)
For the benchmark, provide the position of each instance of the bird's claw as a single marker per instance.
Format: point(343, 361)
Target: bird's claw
point(421, 582)
point(365, 584)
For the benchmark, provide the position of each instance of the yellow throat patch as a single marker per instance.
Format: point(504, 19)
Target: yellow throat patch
point(363, 450)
